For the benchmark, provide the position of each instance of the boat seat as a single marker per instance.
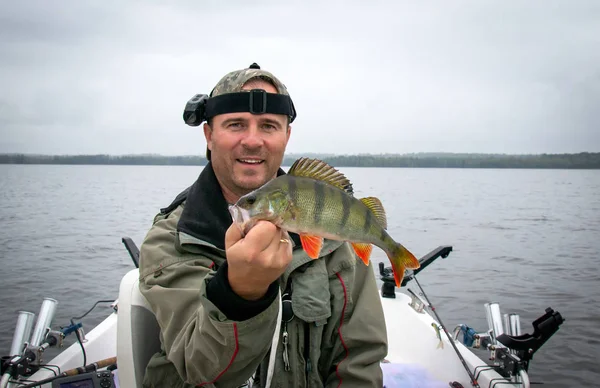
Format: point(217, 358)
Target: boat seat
point(138, 333)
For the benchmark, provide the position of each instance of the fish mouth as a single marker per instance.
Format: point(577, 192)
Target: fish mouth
point(241, 217)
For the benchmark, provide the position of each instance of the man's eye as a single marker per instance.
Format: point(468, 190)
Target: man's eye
point(235, 125)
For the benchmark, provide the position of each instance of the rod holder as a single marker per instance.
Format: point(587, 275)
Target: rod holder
point(22, 332)
point(515, 324)
point(494, 318)
point(44, 320)
point(506, 323)
point(416, 303)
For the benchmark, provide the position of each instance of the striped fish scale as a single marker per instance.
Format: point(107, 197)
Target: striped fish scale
point(323, 209)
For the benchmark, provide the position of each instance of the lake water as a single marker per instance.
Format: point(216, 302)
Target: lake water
point(528, 239)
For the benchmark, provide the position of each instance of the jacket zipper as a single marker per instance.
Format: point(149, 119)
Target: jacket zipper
point(287, 316)
point(307, 352)
point(286, 358)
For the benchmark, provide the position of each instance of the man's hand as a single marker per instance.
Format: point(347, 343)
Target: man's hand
point(256, 260)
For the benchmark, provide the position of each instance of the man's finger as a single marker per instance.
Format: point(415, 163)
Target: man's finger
point(232, 235)
point(260, 236)
point(284, 237)
point(285, 248)
point(263, 230)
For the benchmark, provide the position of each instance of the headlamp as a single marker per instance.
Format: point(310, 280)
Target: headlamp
point(201, 107)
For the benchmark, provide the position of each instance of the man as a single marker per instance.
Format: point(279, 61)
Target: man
point(216, 294)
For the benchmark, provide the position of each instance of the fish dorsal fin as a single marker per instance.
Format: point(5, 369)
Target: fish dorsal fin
point(374, 204)
point(318, 169)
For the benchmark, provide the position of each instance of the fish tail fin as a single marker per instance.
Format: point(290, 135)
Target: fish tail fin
point(401, 258)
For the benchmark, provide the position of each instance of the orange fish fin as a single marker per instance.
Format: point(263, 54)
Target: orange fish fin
point(401, 259)
point(363, 251)
point(376, 207)
point(312, 245)
point(319, 170)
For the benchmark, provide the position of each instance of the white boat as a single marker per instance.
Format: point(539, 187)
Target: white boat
point(423, 358)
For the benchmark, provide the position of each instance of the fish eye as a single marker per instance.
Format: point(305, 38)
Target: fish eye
point(251, 199)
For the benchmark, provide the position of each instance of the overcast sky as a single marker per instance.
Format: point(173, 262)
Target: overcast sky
point(79, 77)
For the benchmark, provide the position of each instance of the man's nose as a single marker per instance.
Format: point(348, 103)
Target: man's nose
point(253, 138)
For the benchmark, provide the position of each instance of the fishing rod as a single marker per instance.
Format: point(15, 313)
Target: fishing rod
point(75, 371)
point(473, 379)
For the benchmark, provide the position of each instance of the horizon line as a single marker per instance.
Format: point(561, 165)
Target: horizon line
point(329, 154)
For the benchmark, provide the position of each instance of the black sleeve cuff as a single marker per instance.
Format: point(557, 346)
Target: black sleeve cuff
point(236, 308)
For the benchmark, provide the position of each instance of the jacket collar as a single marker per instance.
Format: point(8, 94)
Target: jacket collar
point(206, 215)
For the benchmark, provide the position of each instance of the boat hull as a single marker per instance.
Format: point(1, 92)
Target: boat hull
point(413, 343)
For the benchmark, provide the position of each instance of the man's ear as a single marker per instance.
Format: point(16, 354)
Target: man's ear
point(208, 135)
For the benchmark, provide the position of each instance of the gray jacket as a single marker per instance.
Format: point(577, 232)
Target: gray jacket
point(337, 336)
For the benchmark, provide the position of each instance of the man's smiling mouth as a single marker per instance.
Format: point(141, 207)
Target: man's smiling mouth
point(250, 161)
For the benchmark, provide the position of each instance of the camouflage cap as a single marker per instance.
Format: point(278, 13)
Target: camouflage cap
point(234, 81)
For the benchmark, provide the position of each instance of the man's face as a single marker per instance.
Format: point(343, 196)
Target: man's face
point(246, 149)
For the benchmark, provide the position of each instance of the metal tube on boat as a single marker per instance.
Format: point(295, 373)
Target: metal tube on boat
point(506, 323)
point(44, 320)
point(488, 316)
point(494, 320)
point(523, 378)
point(22, 332)
point(515, 324)
point(5, 379)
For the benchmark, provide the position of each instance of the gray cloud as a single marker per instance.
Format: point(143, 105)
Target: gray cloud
point(382, 76)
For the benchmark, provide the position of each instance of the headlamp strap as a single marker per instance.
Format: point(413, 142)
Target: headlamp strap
point(256, 101)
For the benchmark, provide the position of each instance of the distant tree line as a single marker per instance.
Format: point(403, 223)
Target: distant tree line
point(584, 160)
point(140, 160)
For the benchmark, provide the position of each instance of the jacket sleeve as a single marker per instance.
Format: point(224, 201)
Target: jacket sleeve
point(361, 343)
point(205, 347)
